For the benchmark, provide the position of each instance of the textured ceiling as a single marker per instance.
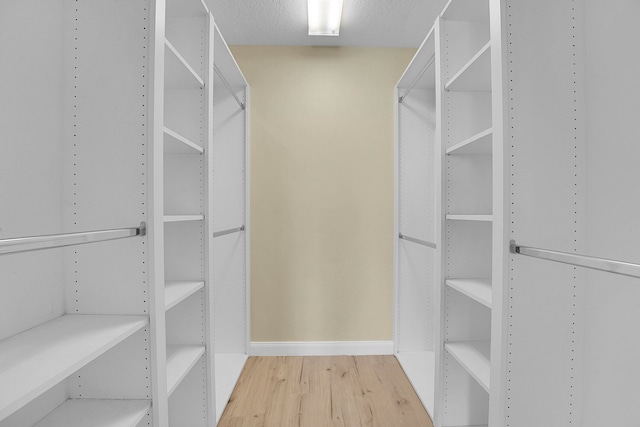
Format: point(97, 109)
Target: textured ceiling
point(374, 23)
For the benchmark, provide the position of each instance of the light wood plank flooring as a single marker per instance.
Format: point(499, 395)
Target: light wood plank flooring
point(345, 391)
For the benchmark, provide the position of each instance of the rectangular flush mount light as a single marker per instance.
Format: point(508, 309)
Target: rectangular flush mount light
point(324, 17)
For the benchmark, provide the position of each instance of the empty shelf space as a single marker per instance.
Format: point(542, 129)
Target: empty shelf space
point(180, 360)
point(178, 73)
point(182, 8)
point(176, 291)
point(34, 361)
point(477, 289)
point(97, 413)
point(228, 369)
point(482, 218)
point(475, 75)
point(182, 218)
point(420, 368)
point(467, 10)
point(477, 144)
point(473, 356)
point(174, 143)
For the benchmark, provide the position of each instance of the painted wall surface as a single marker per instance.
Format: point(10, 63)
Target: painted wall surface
point(322, 135)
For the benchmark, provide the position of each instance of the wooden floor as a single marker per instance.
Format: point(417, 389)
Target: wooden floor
point(324, 391)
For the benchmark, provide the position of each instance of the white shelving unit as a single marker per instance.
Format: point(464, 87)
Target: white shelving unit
point(416, 195)
point(118, 333)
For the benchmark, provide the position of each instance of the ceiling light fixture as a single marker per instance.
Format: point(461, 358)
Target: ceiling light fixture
point(324, 17)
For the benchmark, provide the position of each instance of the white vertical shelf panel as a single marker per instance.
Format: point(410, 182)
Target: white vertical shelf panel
point(228, 369)
point(34, 361)
point(419, 366)
point(180, 360)
point(97, 413)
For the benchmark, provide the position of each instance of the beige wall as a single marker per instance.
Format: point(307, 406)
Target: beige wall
point(321, 191)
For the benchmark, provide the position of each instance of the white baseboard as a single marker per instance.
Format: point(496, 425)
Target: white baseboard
point(321, 348)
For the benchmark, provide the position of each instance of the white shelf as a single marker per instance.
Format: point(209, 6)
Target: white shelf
point(475, 76)
point(477, 289)
point(177, 291)
point(182, 218)
point(486, 218)
point(174, 143)
point(186, 8)
point(97, 413)
point(420, 367)
point(180, 360)
point(178, 73)
point(228, 369)
point(467, 10)
point(34, 361)
point(473, 356)
point(477, 144)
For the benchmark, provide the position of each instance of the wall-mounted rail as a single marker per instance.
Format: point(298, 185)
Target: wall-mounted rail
point(602, 264)
point(229, 231)
point(228, 86)
point(418, 241)
point(415, 82)
point(26, 244)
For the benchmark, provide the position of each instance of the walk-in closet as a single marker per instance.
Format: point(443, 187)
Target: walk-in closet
point(444, 199)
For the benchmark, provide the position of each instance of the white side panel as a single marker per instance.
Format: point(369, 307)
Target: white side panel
point(30, 160)
point(612, 350)
point(185, 321)
point(188, 403)
point(547, 169)
point(39, 407)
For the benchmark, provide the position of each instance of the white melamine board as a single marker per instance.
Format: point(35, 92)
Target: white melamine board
point(228, 369)
point(462, 40)
point(475, 75)
point(416, 163)
point(611, 351)
point(547, 203)
point(465, 402)
point(180, 360)
point(183, 218)
point(423, 57)
point(31, 161)
point(466, 114)
point(174, 143)
point(187, 35)
point(226, 63)
point(480, 143)
point(97, 413)
point(186, 323)
point(179, 74)
point(415, 297)
point(184, 113)
point(467, 10)
point(120, 373)
point(465, 319)
point(39, 407)
point(419, 367)
point(177, 291)
point(230, 312)
point(184, 185)
point(486, 218)
point(468, 249)
point(474, 356)
point(189, 403)
point(185, 8)
point(184, 250)
point(36, 360)
point(477, 289)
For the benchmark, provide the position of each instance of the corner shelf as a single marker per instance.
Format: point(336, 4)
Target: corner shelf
point(97, 413)
point(481, 218)
point(177, 291)
point(178, 73)
point(182, 218)
point(479, 290)
point(475, 75)
point(473, 356)
point(174, 143)
point(479, 144)
point(180, 360)
point(36, 360)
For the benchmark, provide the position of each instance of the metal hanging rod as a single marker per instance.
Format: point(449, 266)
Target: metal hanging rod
point(602, 264)
point(229, 231)
point(228, 86)
point(25, 244)
point(418, 241)
point(415, 82)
